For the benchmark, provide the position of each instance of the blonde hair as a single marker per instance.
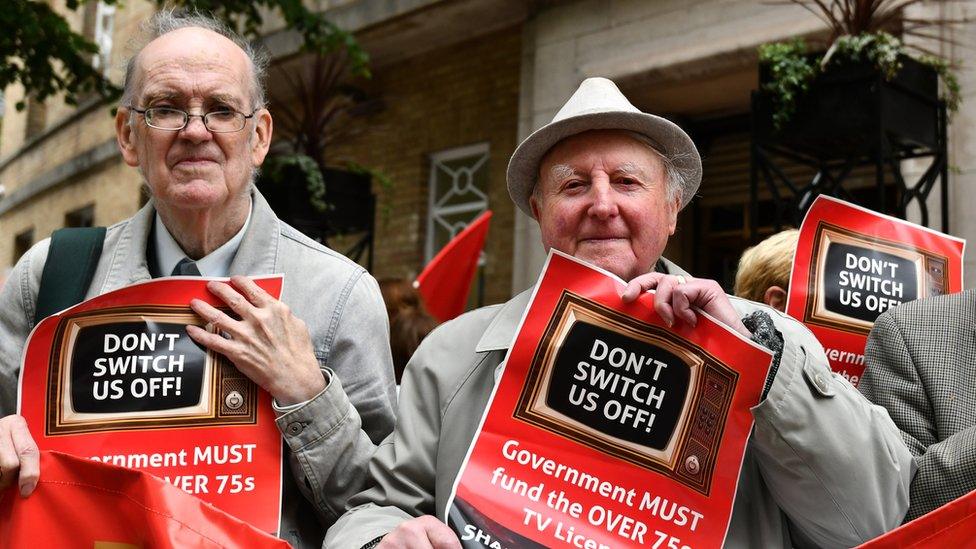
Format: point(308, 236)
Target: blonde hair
point(766, 264)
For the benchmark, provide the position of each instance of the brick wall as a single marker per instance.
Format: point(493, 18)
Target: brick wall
point(461, 95)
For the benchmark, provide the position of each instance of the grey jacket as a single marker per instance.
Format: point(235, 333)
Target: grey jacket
point(823, 464)
point(921, 363)
point(329, 440)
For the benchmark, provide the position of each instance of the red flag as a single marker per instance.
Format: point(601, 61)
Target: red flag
point(82, 503)
point(446, 281)
point(952, 525)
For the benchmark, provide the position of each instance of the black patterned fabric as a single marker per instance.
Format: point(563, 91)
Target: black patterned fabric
point(764, 333)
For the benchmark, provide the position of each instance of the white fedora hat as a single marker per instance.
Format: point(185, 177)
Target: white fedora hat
point(599, 105)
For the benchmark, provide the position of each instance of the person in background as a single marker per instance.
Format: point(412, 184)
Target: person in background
point(409, 321)
point(764, 270)
point(920, 363)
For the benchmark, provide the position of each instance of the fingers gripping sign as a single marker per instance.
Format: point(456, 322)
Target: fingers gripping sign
point(268, 343)
point(425, 532)
point(19, 456)
point(677, 297)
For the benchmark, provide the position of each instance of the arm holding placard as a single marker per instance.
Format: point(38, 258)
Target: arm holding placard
point(413, 470)
point(833, 462)
point(924, 380)
point(18, 453)
point(322, 427)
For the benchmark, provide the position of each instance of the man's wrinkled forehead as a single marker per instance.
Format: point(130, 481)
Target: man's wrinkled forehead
point(192, 51)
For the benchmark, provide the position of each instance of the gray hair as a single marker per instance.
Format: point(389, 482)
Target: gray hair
point(168, 20)
point(681, 181)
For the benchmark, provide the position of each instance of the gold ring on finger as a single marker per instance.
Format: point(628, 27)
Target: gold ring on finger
point(681, 279)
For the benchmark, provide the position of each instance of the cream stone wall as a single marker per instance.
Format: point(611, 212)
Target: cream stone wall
point(962, 141)
point(72, 136)
point(114, 189)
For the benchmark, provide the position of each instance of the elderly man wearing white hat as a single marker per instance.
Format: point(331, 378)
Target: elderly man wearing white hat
point(824, 467)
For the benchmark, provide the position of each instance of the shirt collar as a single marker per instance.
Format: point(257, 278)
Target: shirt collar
point(216, 263)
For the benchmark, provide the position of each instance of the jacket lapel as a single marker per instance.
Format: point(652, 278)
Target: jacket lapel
point(258, 253)
point(127, 265)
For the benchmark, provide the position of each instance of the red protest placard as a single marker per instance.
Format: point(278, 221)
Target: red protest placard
point(852, 264)
point(608, 429)
point(82, 503)
point(952, 525)
point(117, 379)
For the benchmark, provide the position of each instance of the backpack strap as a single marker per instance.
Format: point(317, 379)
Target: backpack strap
point(69, 269)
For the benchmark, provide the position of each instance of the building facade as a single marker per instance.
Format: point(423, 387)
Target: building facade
point(456, 84)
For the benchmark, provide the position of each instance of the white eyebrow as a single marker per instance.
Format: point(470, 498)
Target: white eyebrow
point(561, 171)
point(629, 168)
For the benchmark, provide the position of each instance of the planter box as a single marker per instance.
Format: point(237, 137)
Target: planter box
point(850, 107)
point(348, 195)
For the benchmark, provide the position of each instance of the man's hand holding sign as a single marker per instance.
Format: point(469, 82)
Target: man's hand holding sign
point(675, 296)
point(268, 344)
point(19, 456)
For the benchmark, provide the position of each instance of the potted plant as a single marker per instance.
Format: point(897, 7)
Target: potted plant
point(834, 101)
point(314, 105)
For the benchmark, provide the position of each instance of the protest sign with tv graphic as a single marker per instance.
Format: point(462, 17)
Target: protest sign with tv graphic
point(606, 428)
point(117, 379)
point(852, 264)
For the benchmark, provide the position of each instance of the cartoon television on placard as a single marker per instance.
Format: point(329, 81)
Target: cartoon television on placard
point(681, 407)
point(890, 273)
point(136, 368)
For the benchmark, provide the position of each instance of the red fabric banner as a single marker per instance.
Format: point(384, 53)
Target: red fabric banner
point(607, 428)
point(852, 264)
point(117, 379)
point(446, 281)
point(82, 503)
point(952, 525)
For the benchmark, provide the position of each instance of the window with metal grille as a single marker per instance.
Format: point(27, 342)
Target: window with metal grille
point(458, 193)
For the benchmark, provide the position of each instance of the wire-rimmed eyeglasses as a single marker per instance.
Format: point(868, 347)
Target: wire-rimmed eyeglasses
point(170, 119)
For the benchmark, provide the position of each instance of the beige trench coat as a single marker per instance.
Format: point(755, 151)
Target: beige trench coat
point(824, 467)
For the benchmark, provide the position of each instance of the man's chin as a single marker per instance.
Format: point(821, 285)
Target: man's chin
point(621, 267)
point(194, 194)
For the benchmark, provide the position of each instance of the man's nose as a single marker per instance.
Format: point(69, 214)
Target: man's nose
point(603, 203)
point(195, 130)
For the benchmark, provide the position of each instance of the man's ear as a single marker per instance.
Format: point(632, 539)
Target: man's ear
point(673, 221)
point(775, 297)
point(123, 135)
point(534, 205)
point(261, 140)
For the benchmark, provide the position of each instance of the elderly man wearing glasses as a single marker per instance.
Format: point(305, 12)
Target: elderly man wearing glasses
point(193, 122)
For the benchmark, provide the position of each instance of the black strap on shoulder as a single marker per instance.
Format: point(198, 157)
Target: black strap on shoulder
point(69, 269)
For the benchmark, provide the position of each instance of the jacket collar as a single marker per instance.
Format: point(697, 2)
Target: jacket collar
point(128, 263)
point(256, 255)
point(501, 331)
